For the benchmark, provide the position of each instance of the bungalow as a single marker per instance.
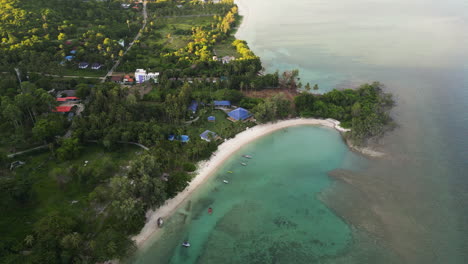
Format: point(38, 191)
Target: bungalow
point(83, 65)
point(96, 66)
point(211, 119)
point(116, 79)
point(222, 104)
point(128, 79)
point(227, 59)
point(142, 76)
point(239, 114)
point(63, 109)
point(184, 138)
point(193, 106)
point(208, 135)
point(68, 99)
point(125, 5)
point(69, 58)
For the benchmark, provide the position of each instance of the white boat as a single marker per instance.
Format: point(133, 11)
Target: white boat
point(225, 181)
point(186, 244)
point(243, 164)
point(247, 156)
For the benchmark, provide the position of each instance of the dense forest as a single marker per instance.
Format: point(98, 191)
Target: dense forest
point(81, 197)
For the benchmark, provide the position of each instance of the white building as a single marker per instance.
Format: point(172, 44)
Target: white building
point(142, 76)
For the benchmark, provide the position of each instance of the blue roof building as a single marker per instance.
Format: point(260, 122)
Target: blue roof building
point(239, 114)
point(69, 58)
point(222, 103)
point(184, 138)
point(211, 118)
point(193, 106)
point(83, 65)
point(208, 135)
point(73, 52)
point(171, 137)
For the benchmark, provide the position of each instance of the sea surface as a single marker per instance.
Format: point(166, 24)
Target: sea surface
point(291, 204)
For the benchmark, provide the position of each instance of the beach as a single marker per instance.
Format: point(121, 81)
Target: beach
point(207, 168)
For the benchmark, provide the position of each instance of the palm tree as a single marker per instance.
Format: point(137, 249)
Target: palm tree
point(29, 240)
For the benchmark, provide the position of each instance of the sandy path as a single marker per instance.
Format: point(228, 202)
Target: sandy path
point(207, 168)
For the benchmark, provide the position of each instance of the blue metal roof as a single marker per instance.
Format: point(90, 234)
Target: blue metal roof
point(193, 106)
point(171, 137)
point(222, 103)
point(184, 138)
point(239, 114)
point(211, 118)
point(207, 135)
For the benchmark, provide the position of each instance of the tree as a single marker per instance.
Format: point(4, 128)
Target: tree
point(316, 87)
point(70, 148)
point(307, 87)
point(47, 128)
point(62, 36)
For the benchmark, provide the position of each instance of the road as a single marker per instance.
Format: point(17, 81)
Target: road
point(137, 37)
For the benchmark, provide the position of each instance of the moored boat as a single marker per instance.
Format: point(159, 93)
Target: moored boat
point(247, 156)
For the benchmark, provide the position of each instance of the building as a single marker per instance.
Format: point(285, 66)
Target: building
point(239, 114)
point(222, 104)
point(66, 93)
point(227, 59)
point(63, 109)
point(96, 66)
point(193, 106)
point(116, 79)
point(128, 79)
point(83, 65)
point(68, 99)
point(211, 119)
point(208, 135)
point(69, 58)
point(142, 76)
point(184, 138)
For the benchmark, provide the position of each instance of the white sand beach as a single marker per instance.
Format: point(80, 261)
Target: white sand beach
point(207, 168)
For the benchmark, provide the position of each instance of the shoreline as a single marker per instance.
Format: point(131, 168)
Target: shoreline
point(226, 150)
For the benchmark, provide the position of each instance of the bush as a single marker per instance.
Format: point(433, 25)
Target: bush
point(190, 167)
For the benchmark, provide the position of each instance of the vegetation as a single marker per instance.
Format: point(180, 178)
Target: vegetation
point(364, 110)
point(80, 199)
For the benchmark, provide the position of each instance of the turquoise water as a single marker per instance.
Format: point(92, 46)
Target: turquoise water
point(415, 203)
point(269, 212)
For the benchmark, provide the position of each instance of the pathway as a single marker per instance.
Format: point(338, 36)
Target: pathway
point(137, 37)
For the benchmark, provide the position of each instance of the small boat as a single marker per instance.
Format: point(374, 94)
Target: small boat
point(186, 244)
point(243, 164)
point(229, 172)
point(225, 181)
point(247, 156)
point(160, 222)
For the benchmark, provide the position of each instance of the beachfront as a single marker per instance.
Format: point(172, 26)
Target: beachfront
point(207, 168)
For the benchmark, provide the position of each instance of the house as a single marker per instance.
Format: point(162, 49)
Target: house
point(227, 59)
point(142, 76)
point(125, 6)
point(211, 119)
point(128, 79)
point(208, 135)
point(184, 138)
point(73, 52)
point(66, 93)
point(193, 106)
point(239, 114)
point(116, 79)
point(83, 65)
point(63, 109)
point(171, 137)
point(222, 104)
point(96, 66)
point(68, 99)
point(69, 58)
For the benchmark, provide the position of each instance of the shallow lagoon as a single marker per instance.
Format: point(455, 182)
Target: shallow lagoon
point(270, 210)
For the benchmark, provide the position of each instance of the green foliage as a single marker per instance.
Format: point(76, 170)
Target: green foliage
point(274, 108)
point(70, 148)
point(46, 128)
point(189, 167)
point(364, 110)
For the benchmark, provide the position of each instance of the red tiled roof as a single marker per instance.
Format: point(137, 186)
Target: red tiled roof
point(63, 109)
point(64, 99)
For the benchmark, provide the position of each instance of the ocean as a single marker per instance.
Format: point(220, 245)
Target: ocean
point(304, 197)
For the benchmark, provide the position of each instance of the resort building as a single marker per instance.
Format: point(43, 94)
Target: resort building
point(83, 65)
point(142, 76)
point(193, 106)
point(239, 114)
point(208, 135)
point(96, 66)
point(222, 104)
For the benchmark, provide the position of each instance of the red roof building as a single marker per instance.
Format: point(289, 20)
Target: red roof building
point(63, 109)
point(68, 98)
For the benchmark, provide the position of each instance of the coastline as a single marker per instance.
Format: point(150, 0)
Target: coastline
point(224, 151)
